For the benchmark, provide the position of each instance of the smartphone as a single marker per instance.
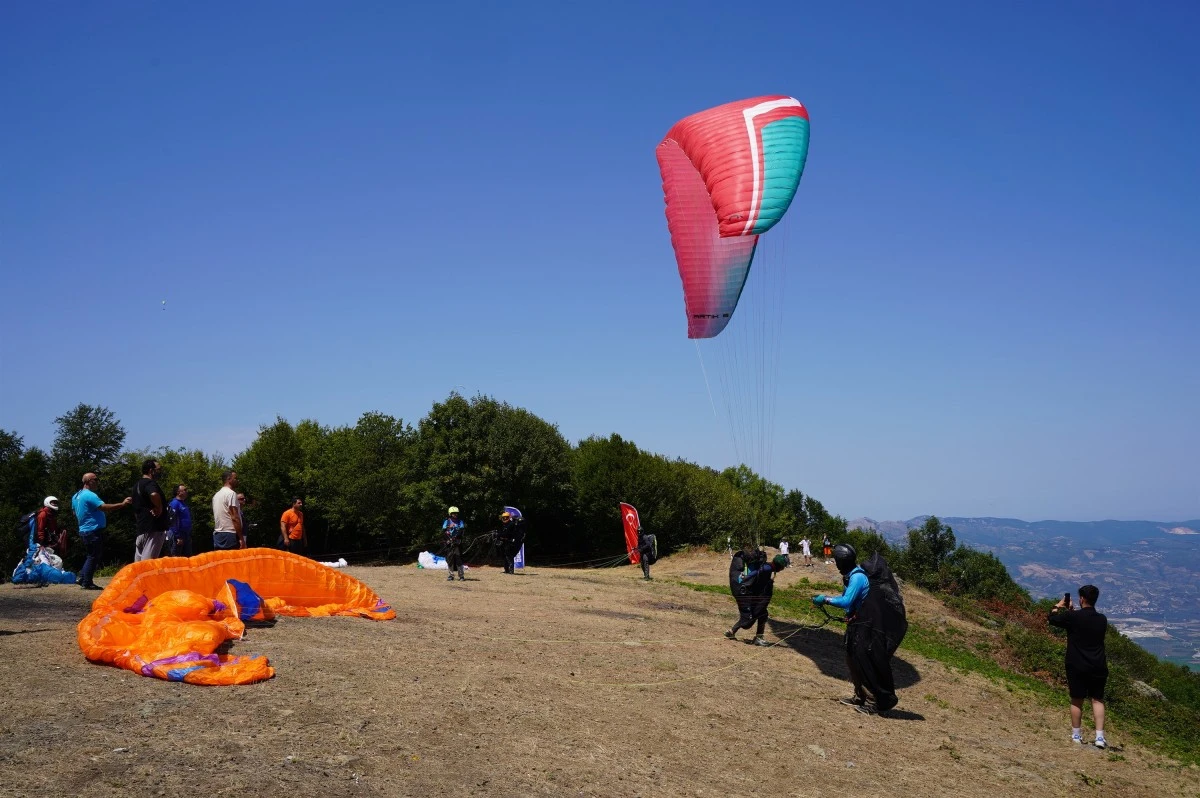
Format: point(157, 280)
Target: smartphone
point(1067, 599)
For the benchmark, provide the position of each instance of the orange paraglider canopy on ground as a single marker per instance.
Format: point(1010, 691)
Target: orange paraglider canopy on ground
point(167, 617)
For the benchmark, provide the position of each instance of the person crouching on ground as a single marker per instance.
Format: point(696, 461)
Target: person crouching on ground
point(759, 583)
point(1087, 664)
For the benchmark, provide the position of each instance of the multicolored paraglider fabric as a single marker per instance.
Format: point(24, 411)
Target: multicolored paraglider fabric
point(168, 617)
point(729, 175)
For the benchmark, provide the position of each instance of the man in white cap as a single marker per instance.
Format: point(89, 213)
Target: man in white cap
point(452, 534)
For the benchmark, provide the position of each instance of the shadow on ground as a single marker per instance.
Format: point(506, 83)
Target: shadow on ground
point(825, 648)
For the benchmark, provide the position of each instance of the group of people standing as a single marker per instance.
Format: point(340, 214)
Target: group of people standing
point(509, 538)
point(158, 522)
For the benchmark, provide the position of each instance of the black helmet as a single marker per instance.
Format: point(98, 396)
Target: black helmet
point(846, 557)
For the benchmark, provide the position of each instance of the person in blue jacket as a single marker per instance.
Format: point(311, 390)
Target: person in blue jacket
point(867, 656)
point(181, 525)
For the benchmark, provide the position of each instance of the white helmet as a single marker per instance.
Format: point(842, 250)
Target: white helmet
point(51, 502)
point(452, 510)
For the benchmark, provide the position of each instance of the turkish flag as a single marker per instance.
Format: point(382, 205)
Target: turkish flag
point(629, 516)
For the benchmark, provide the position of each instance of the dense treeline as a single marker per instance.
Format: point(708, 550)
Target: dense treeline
point(380, 488)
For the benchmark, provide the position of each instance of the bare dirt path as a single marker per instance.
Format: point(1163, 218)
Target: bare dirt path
point(550, 682)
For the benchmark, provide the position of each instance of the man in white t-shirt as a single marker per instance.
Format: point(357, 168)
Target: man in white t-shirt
point(783, 547)
point(227, 516)
point(806, 550)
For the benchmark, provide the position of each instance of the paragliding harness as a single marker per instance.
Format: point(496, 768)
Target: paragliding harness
point(651, 551)
point(885, 587)
point(886, 610)
point(40, 565)
point(25, 523)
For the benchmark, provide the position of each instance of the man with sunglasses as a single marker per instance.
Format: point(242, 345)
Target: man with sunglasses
point(90, 513)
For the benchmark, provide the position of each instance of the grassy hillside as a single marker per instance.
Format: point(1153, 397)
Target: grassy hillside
point(1016, 648)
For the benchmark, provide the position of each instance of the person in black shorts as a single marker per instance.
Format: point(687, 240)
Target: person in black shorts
point(1087, 664)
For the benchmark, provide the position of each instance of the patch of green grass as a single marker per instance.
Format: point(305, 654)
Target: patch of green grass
point(931, 698)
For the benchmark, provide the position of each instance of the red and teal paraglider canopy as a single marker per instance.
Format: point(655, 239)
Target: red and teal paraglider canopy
point(729, 174)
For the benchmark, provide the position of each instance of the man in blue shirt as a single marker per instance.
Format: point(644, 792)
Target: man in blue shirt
point(181, 526)
point(90, 513)
point(868, 657)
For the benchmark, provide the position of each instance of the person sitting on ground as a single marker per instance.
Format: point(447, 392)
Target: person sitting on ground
point(758, 581)
point(1087, 663)
point(46, 530)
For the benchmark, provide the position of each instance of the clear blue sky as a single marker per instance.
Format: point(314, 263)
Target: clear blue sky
point(992, 284)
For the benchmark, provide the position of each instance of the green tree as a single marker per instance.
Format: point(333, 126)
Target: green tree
point(481, 455)
point(24, 483)
point(714, 511)
point(926, 553)
point(88, 438)
point(366, 481)
point(611, 470)
point(867, 542)
point(270, 472)
point(769, 514)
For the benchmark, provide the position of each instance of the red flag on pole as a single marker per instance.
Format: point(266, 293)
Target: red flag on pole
point(629, 516)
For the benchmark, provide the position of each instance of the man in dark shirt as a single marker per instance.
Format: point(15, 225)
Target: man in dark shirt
point(148, 508)
point(1087, 665)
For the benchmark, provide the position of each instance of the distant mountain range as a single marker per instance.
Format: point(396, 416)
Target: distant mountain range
point(1148, 572)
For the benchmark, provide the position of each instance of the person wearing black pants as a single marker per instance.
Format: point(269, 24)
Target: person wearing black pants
point(452, 533)
point(759, 584)
point(510, 536)
point(645, 552)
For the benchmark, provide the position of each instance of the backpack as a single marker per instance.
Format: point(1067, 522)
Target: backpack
point(888, 605)
point(25, 523)
point(651, 553)
point(164, 521)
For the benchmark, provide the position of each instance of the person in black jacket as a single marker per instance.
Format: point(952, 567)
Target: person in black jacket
point(753, 588)
point(1087, 664)
point(645, 549)
point(510, 536)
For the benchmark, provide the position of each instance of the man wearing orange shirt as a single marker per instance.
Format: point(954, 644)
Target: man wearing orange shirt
point(292, 536)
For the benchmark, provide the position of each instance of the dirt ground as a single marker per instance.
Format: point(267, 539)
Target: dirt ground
point(550, 682)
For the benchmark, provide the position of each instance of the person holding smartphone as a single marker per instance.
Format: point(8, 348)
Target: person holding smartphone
point(1087, 664)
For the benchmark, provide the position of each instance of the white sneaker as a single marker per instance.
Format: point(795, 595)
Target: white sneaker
point(1100, 741)
point(1076, 738)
